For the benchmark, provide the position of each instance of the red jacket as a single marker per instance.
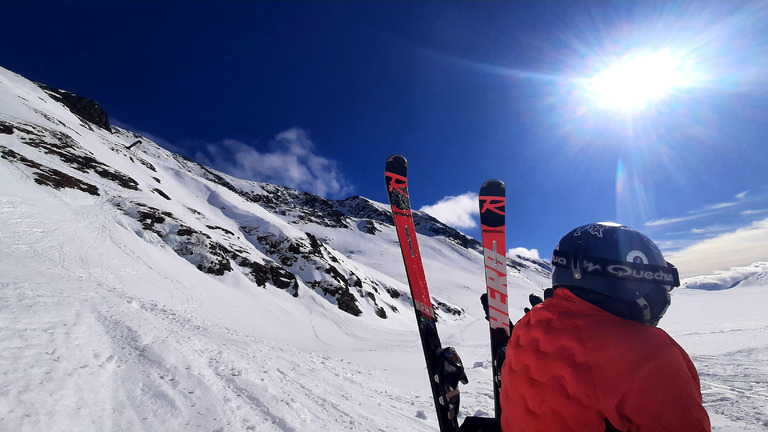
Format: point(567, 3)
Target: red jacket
point(571, 366)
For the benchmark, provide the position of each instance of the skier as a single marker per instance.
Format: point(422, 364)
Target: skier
point(589, 358)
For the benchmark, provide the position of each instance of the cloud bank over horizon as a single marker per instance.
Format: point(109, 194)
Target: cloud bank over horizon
point(716, 237)
point(737, 248)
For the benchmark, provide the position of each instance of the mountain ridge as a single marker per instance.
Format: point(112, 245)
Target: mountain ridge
point(272, 249)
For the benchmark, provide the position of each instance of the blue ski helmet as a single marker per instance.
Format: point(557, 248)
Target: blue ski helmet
point(618, 262)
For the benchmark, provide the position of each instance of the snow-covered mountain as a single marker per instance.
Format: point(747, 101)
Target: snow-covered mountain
point(755, 274)
point(142, 291)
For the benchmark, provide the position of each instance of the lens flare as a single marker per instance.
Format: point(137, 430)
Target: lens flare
point(621, 178)
point(637, 80)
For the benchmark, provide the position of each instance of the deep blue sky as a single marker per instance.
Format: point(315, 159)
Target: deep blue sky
point(465, 90)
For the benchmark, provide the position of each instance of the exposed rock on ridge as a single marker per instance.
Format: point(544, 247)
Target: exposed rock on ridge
point(82, 107)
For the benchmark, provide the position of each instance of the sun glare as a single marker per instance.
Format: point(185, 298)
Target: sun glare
point(636, 81)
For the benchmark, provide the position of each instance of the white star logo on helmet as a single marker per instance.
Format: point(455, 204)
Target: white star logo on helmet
point(594, 229)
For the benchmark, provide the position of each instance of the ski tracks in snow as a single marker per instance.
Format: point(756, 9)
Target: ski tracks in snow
point(734, 386)
point(171, 371)
point(293, 390)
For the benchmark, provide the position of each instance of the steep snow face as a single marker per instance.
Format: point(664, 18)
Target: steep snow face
point(141, 291)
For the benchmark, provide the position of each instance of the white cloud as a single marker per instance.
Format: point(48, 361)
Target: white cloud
point(734, 249)
point(753, 212)
point(710, 230)
point(668, 221)
point(291, 162)
point(457, 211)
point(742, 198)
point(529, 253)
point(722, 205)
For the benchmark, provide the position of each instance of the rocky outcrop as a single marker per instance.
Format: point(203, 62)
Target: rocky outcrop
point(68, 150)
point(87, 109)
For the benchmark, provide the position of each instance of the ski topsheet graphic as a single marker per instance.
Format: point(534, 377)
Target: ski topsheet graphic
point(397, 188)
point(493, 225)
point(442, 364)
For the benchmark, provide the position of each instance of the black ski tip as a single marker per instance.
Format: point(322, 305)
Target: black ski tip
point(397, 164)
point(493, 184)
point(492, 204)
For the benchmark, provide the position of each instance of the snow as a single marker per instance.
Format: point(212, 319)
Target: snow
point(103, 326)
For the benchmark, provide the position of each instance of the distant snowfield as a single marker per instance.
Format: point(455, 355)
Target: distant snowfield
point(104, 327)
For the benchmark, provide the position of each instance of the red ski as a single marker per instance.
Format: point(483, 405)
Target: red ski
point(493, 225)
point(444, 366)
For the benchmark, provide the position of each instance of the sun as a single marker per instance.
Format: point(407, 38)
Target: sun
point(636, 81)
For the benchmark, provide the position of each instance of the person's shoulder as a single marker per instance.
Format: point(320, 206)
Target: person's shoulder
point(661, 337)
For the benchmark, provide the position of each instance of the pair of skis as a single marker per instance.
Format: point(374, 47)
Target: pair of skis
point(492, 208)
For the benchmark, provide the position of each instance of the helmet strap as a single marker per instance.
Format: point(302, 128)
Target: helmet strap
point(576, 262)
point(645, 308)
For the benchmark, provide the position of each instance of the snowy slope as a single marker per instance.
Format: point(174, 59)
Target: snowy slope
point(141, 291)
